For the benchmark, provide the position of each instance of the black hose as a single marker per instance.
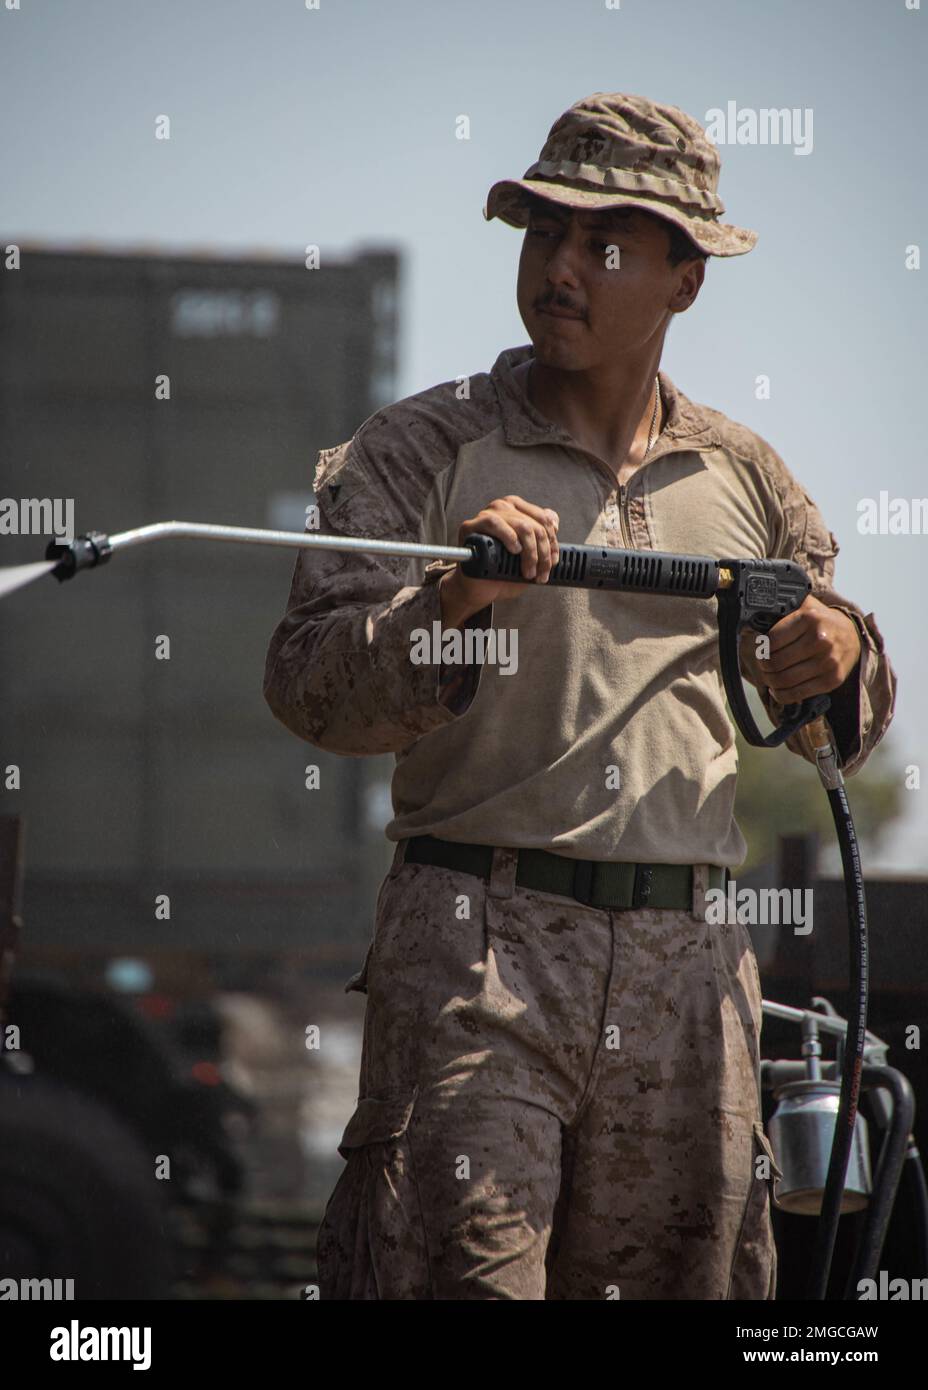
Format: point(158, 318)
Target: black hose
point(827, 1229)
point(888, 1174)
point(916, 1178)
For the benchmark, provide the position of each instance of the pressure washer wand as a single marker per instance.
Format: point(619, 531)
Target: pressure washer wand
point(751, 593)
point(95, 547)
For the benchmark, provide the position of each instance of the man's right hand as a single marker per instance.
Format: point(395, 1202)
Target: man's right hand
point(523, 528)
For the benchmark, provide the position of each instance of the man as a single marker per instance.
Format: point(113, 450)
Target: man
point(559, 1089)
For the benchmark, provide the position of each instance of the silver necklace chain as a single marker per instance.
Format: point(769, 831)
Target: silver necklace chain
point(657, 398)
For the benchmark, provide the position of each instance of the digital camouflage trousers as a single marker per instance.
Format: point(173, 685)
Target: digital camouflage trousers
point(556, 1101)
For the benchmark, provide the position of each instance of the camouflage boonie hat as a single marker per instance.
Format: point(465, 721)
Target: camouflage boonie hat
point(615, 150)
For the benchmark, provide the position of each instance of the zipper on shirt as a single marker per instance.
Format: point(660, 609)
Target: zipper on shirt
point(623, 497)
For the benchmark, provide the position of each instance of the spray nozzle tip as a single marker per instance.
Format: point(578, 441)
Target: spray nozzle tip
point(82, 553)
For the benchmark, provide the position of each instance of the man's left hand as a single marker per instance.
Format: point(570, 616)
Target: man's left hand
point(813, 650)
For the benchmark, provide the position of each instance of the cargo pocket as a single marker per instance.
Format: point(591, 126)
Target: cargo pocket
point(371, 1242)
point(754, 1264)
point(358, 980)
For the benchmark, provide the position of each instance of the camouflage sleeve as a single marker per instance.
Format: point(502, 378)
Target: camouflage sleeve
point(457, 685)
point(339, 672)
point(862, 707)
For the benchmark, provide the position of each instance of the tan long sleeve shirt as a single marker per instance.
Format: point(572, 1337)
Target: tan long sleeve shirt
point(611, 739)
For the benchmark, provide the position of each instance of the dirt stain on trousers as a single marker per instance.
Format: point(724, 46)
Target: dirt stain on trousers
point(556, 1101)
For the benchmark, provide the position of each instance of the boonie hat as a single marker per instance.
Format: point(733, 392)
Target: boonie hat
point(616, 150)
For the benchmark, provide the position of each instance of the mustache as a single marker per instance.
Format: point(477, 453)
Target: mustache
point(559, 302)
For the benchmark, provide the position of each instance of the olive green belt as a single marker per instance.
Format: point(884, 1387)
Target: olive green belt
point(595, 882)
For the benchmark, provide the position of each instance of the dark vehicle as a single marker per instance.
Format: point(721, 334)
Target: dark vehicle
point(105, 1131)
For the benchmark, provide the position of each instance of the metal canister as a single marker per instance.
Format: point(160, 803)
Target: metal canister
point(802, 1130)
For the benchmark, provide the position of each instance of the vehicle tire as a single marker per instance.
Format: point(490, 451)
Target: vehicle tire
point(78, 1196)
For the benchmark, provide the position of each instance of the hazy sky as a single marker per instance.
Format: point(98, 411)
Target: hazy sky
point(336, 126)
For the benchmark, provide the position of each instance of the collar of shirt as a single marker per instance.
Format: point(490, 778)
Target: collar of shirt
point(685, 425)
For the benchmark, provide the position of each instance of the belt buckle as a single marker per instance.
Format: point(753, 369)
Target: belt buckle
point(641, 891)
point(583, 882)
